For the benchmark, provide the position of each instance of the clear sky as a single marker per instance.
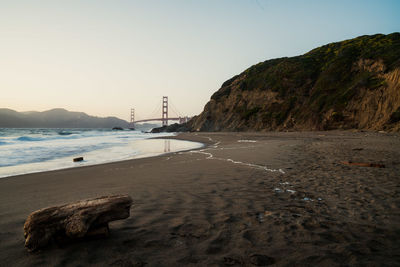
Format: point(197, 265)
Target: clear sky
point(104, 57)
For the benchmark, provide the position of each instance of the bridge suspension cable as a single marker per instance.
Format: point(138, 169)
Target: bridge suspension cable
point(157, 110)
point(175, 110)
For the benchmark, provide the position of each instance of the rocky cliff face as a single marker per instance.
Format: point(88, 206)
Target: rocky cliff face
point(353, 84)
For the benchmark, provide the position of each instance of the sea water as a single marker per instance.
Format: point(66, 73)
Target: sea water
point(34, 150)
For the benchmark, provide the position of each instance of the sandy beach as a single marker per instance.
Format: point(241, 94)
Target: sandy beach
point(280, 199)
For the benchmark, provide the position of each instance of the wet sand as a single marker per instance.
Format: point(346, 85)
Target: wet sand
point(280, 199)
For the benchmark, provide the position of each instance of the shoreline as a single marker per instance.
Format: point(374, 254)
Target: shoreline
point(139, 156)
point(223, 205)
point(206, 143)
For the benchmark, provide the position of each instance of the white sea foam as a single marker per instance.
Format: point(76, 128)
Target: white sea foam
point(34, 150)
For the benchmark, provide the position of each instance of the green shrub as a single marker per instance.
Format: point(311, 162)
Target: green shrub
point(225, 91)
point(322, 79)
point(337, 116)
point(395, 117)
point(250, 112)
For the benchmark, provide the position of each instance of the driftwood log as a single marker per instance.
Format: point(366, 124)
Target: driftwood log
point(77, 159)
point(364, 164)
point(74, 220)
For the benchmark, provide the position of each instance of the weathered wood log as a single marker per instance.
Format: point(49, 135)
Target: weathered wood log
point(74, 220)
point(77, 159)
point(364, 164)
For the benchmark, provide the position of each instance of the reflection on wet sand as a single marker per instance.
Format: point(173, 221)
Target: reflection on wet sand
point(167, 146)
point(154, 147)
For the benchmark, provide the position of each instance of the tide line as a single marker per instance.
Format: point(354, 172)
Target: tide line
point(211, 156)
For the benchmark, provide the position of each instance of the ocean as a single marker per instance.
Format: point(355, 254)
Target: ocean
point(35, 150)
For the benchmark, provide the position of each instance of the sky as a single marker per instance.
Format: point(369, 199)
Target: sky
point(106, 57)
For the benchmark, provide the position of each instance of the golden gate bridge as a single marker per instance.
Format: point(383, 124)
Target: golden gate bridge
point(164, 115)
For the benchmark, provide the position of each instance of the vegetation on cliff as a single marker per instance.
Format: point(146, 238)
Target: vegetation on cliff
point(353, 84)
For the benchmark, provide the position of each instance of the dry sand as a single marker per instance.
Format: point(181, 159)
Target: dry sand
point(246, 199)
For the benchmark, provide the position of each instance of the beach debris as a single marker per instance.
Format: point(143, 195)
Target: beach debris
point(78, 159)
point(278, 190)
point(260, 217)
point(284, 183)
point(247, 141)
point(307, 199)
point(363, 164)
point(261, 260)
point(76, 220)
point(231, 261)
point(211, 156)
point(268, 213)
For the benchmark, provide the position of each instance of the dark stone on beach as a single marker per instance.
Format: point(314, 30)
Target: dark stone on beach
point(86, 218)
point(261, 260)
point(118, 128)
point(172, 128)
point(78, 159)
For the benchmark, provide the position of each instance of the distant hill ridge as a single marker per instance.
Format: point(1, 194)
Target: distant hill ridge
point(353, 84)
point(56, 118)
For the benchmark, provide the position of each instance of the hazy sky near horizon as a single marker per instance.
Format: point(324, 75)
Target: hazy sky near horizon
point(104, 57)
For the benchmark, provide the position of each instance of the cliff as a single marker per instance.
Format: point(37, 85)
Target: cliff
point(353, 84)
point(56, 118)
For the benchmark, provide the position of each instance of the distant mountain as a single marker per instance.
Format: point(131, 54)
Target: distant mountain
point(353, 84)
point(56, 118)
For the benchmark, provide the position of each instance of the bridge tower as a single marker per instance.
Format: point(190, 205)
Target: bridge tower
point(165, 111)
point(132, 124)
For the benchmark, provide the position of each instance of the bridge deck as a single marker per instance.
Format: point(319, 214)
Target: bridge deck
point(157, 119)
